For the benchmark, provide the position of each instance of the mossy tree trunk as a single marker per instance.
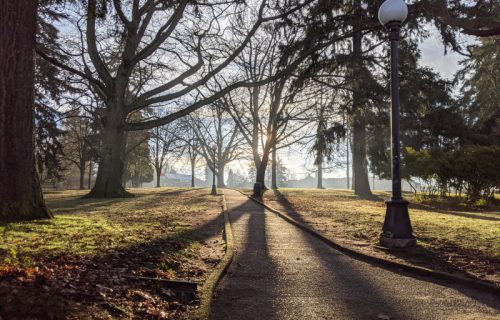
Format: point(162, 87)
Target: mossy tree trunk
point(21, 196)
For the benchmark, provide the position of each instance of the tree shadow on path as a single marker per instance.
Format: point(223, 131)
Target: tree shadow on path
point(281, 272)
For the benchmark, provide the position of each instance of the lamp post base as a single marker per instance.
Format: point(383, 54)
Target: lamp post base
point(397, 231)
point(214, 190)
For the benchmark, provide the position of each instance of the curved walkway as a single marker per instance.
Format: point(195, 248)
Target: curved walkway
point(282, 272)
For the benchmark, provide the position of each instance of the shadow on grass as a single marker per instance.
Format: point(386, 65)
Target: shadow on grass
point(417, 255)
point(91, 280)
point(72, 204)
point(268, 281)
point(495, 216)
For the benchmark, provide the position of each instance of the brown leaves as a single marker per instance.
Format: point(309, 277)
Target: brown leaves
point(94, 263)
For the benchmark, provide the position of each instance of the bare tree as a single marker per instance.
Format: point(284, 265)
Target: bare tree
point(77, 151)
point(272, 115)
point(184, 44)
point(163, 145)
point(192, 148)
point(217, 128)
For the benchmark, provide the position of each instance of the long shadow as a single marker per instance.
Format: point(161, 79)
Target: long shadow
point(459, 213)
point(472, 293)
point(417, 255)
point(72, 204)
point(289, 208)
point(249, 287)
point(350, 277)
point(260, 284)
point(106, 272)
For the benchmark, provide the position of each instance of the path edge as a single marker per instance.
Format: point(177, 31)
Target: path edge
point(474, 283)
point(208, 289)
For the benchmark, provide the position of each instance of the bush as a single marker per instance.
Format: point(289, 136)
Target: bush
point(473, 168)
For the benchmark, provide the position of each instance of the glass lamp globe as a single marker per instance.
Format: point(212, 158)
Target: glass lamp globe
point(392, 10)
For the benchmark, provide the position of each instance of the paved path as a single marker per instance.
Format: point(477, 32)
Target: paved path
point(281, 272)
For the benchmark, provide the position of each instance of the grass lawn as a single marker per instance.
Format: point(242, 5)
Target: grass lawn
point(454, 240)
point(92, 258)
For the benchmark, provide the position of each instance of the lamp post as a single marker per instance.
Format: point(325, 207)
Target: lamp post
point(214, 188)
point(397, 230)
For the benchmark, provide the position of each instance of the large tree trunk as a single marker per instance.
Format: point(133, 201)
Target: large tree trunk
point(82, 174)
point(90, 174)
point(158, 175)
point(192, 172)
point(220, 176)
point(261, 169)
point(21, 195)
point(320, 174)
point(108, 183)
point(359, 165)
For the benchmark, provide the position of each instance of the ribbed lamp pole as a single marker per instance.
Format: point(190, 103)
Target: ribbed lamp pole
point(397, 231)
point(214, 188)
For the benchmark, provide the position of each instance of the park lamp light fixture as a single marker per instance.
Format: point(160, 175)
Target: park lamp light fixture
point(392, 11)
point(214, 188)
point(397, 231)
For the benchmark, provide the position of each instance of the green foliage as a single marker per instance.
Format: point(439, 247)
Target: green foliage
point(327, 140)
point(478, 167)
point(472, 168)
point(481, 91)
point(49, 86)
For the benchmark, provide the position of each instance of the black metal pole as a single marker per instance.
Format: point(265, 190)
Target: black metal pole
point(397, 230)
point(214, 188)
point(396, 167)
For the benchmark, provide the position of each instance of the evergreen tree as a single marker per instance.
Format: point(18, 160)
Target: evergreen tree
point(480, 90)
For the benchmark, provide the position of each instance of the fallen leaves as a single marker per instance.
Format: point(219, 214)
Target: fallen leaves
point(79, 284)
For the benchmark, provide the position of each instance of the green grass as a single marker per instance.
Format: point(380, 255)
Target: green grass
point(90, 257)
point(89, 227)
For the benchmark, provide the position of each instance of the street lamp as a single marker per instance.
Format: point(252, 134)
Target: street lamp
point(214, 188)
point(397, 230)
